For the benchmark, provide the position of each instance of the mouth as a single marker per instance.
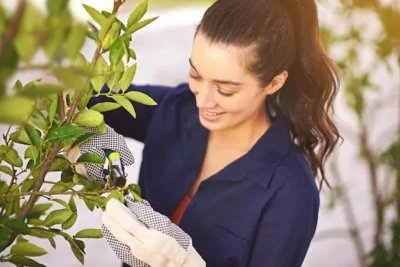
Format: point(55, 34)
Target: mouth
point(210, 116)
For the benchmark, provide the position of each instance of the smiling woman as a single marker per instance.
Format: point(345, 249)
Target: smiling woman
point(230, 158)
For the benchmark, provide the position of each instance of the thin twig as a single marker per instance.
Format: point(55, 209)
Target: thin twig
point(83, 193)
point(12, 31)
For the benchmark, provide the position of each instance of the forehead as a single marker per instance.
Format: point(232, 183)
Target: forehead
point(215, 59)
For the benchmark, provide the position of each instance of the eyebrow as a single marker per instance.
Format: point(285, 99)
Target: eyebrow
point(217, 81)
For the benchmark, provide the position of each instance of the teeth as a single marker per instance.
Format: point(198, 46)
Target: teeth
point(210, 113)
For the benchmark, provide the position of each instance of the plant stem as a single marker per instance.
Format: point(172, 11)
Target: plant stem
point(93, 193)
point(12, 31)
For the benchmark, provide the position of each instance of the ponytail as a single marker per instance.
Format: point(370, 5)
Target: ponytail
point(284, 35)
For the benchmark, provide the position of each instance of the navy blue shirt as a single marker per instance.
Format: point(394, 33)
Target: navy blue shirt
point(260, 211)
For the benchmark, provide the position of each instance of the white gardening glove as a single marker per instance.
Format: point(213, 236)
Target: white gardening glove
point(96, 145)
point(143, 237)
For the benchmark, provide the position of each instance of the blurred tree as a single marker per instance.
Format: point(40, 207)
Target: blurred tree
point(357, 85)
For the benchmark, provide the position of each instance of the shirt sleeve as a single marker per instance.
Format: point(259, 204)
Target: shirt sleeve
point(123, 122)
point(286, 228)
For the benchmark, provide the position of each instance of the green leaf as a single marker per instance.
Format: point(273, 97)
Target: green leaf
point(10, 155)
point(96, 15)
point(59, 164)
point(105, 106)
point(140, 98)
point(28, 185)
point(137, 26)
point(20, 137)
point(102, 128)
point(64, 133)
point(89, 204)
point(17, 86)
point(132, 53)
point(5, 234)
point(70, 77)
point(60, 187)
point(75, 40)
point(82, 139)
point(74, 246)
point(31, 153)
point(11, 115)
point(66, 175)
point(109, 32)
point(52, 242)
point(21, 239)
point(41, 233)
point(114, 78)
point(98, 200)
point(138, 13)
point(101, 67)
point(41, 89)
point(24, 261)
point(89, 118)
point(61, 202)
point(89, 185)
point(72, 204)
point(136, 192)
point(27, 45)
point(92, 35)
point(89, 233)
point(70, 222)
point(98, 82)
point(117, 51)
point(57, 217)
point(36, 222)
point(27, 249)
point(33, 134)
point(80, 244)
point(19, 226)
point(52, 110)
point(41, 208)
point(125, 103)
point(39, 120)
point(127, 77)
point(56, 7)
point(6, 170)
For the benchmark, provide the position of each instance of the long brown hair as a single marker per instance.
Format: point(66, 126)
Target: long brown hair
point(284, 35)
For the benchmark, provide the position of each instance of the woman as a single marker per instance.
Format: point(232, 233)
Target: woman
point(231, 157)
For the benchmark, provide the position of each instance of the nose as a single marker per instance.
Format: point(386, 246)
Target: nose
point(205, 98)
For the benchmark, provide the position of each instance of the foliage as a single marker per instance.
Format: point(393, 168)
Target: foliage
point(358, 84)
point(50, 118)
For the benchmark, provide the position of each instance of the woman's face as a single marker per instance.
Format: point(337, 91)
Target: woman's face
point(226, 94)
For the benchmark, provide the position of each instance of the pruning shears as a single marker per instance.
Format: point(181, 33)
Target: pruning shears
point(115, 172)
point(116, 176)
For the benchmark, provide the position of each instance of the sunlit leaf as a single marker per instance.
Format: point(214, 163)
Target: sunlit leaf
point(27, 249)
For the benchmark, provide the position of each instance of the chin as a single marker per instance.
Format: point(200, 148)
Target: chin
point(212, 126)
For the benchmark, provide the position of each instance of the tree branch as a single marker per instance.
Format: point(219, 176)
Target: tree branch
point(353, 230)
point(12, 31)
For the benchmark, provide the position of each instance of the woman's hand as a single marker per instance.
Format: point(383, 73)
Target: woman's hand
point(141, 236)
point(110, 140)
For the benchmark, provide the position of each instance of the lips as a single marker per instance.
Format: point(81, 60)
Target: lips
point(212, 113)
point(210, 116)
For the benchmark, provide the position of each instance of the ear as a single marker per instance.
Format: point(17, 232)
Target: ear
point(277, 82)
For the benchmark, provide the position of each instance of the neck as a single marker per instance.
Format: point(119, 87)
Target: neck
point(245, 135)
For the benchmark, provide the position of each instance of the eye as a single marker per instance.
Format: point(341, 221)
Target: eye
point(197, 78)
point(224, 93)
